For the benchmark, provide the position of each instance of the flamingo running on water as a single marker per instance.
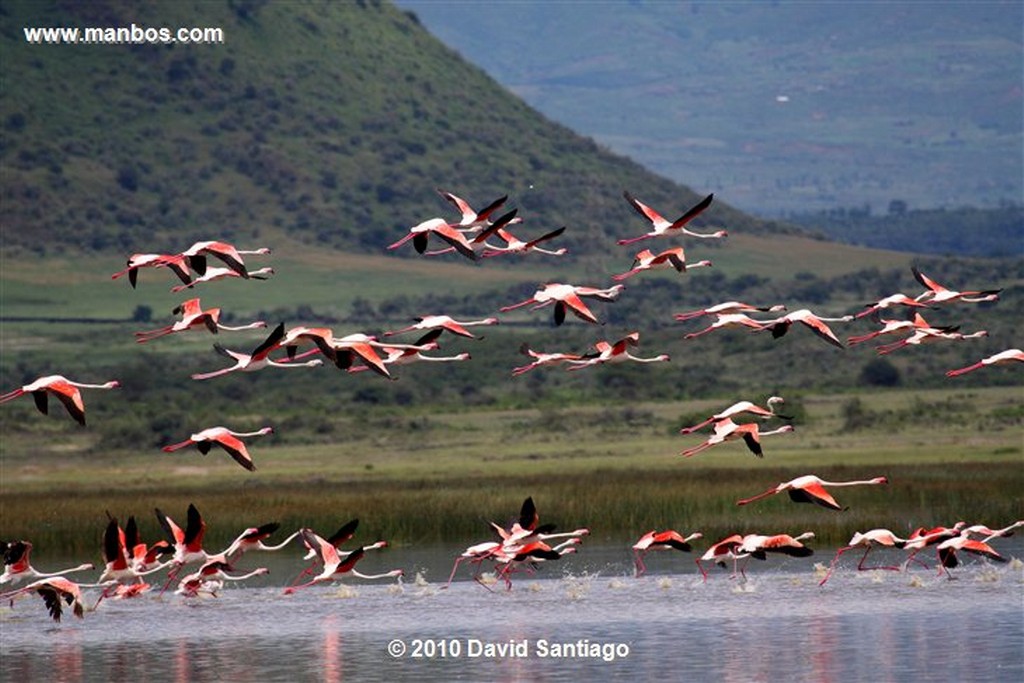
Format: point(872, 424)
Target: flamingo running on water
point(660, 540)
point(741, 408)
point(187, 542)
point(193, 316)
point(758, 546)
point(947, 552)
point(18, 567)
point(226, 439)
point(660, 226)
point(253, 539)
point(1008, 356)
point(55, 591)
point(334, 566)
point(210, 578)
point(66, 391)
point(567, 297)
point(937, 294)
point(720, 553)
point(119, 565)
point(727, 430)
point(867, 540)
point(670, 258)
point(258, 359)
point(811, 489)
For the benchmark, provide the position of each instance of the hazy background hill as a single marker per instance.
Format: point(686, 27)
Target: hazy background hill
point(784, 106)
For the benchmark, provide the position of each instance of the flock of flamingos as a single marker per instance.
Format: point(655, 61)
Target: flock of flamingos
point(524, 544)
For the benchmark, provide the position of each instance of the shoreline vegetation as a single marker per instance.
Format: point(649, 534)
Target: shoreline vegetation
point(439, 477)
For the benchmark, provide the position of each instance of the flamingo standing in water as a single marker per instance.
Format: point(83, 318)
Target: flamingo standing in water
point(1008, 356)
point(660, 226)
point(228, 253)
point(18, 568)
point(867, 540)
point(445, 322)
point(540, 359)
point(175, 262)
point(617, 352)
point(217, 273)
point(727, 430)
point(811, 489)
point(729, 307)
point(660, 540)
point(226, 439)
point(937, 294)
point(741, 408)
point(193, 316)
point(567, 297)
point(670, 258)
point(258, 359)
point(66, 391)
point(334, 566)
point(814, 323)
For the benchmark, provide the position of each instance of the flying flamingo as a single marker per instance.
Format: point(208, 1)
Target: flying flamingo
point(363, 347)
point(617, 352)
point(727, 430)
point(470, 247)
point(476, 554)
point(226, 439)
point(473, 221)
point(143, 557)
point(445, 322)
point(477, 244)
point(898, 299)
point(660, 540)
point(514, 245)
point(988, 534)
point(815, 323)
point(728, 320)
point(335, 566)
point(217, 273)
point(720, 553)
point(660, 226)
point(228, 253)
point(758, 546)
point(670, 258)
point(258, 359)
point(18, 568)
point(175, 262)
point(811, 489)
point(66, 391)
point(1008, 356)
point(55, 591)
point(567, 297)
point(210, 578)
point(947, 552)
point(741, 408)
point(867, 540)
point(927, 336)
point(891, 326)
point(540, 359)
point(193, 315)
point(729, 307)
point(937, 294)
point(530, 555)
point(404, 356)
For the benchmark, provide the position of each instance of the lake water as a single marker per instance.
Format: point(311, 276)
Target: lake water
point(585, 617)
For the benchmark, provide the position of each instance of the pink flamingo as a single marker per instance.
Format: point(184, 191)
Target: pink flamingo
point(540, 359)
point(729, 307)
point(530, 555)
point(1008, 356)
point(472, 220)
point(193, 316)
point(660, 540)
point(400, 356)
point(334, 566)
point(210, 578)
point(811, 489)
point(670, 258)
point(947, 552)
point(228, 253)
point(226, 439)
point(727, 430)
point(55, 591)
point(927, 336)
point(867, 540)
point(741, 408)
point(937, 294)
point(660, 226)
point(216, 273)
point(892, 326)
point(922, 538)
point(514, 245)
point(728, 320)
point(617, 352)
point(445, 322)
point(988, 534)
point(758, 546)
point(65, 390)
point(567, 297)
point(187, 542)
point(258, 359)
point(898, 299)
point(813, 322)
point(175, 262)
point(18, 567)
point(119, 566)
point(720, 553)
point(477, 244)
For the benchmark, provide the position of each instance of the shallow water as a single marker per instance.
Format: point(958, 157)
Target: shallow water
point(777, 625)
